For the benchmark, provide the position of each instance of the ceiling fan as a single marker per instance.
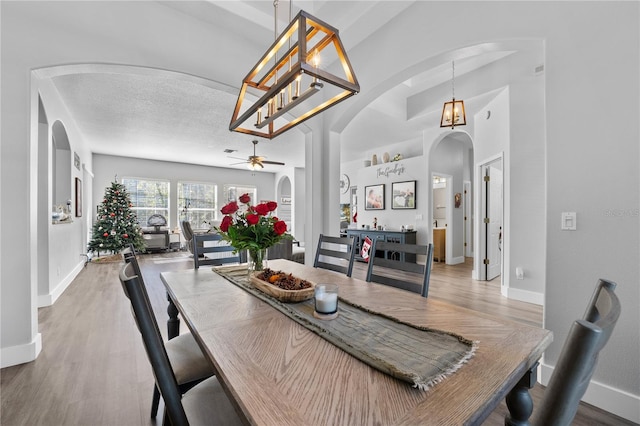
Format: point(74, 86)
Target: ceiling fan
point(255, 162)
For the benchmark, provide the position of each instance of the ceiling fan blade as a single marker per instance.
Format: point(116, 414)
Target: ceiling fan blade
point(235, 164)
point(237, 158)
point(277, 163)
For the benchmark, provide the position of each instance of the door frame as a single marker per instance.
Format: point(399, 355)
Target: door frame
point(480, 252)
point(468, 218)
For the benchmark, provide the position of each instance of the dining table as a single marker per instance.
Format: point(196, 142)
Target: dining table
point(277, 371)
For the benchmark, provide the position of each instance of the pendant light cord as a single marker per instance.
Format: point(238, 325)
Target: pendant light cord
point(453, 77)
point(275, 36)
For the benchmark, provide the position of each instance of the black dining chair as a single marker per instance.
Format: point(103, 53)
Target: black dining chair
point(335, 253)
point(200, 249)
point(189, 364)
point(394, 264)
point(204, 404)
point(578, 358)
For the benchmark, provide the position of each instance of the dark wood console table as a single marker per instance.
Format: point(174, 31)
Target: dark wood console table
point(402, 237)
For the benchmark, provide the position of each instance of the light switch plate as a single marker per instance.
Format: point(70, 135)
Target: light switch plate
point(568, 221)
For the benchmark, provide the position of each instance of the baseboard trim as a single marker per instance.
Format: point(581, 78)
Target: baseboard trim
point(50, 299)
point(20, 354)
point(605, 397)
point(525, 296)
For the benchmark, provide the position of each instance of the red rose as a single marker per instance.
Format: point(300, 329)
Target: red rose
point(262, 209)
point(252, 219)
point(280, 227)
point(272, 205)
point(244, 198)
point(226, 222)
point(106, 234)
point(230, 208)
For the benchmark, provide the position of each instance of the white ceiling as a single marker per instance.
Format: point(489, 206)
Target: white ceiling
point(187, 119)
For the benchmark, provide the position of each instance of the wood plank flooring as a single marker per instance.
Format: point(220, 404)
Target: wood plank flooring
point(93, 370)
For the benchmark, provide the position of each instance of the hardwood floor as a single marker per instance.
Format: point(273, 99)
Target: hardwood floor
point(93, 370)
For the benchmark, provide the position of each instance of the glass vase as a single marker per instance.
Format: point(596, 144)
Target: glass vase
point(257, 260)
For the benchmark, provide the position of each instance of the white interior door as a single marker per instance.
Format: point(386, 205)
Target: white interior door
point(494, 227)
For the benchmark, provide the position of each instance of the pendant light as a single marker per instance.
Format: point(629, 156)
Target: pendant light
point(453, 113)
point(282, 96)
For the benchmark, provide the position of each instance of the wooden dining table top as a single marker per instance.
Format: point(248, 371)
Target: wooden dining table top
point(277, 372)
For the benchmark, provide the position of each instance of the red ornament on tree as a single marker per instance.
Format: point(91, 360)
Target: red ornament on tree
point(106, 234)
point(126, 235)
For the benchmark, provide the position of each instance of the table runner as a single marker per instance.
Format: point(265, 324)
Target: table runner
point(414, 354)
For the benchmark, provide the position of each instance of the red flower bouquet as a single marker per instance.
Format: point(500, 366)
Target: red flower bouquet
point(255, 230)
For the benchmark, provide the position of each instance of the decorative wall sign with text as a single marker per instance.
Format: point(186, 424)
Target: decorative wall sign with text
point(386, 170)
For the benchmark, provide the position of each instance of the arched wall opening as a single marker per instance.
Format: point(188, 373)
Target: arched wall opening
point(284, 199)
point(451, 158)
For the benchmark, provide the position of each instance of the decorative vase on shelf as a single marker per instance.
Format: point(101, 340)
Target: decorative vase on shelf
point(257, 260)
point(385, 157)
point(374, 160)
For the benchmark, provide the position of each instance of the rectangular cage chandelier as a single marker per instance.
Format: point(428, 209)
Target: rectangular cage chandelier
point(288, 85)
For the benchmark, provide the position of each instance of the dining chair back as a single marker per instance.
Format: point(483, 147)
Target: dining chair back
point(187, 233)
point(578, 358)
point(220, 253)
point(154, 345)
point(335, 253)
point(394, 271)
point(206, 402)
point(189, 364)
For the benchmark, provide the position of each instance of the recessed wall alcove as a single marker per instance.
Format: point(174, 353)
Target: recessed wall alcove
point(60, 164)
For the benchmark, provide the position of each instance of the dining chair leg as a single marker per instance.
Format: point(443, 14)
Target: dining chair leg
point(155, 402)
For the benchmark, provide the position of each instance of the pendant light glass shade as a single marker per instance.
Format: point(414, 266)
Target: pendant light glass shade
point(453, 114)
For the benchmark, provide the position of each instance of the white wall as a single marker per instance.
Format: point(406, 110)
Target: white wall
point(587, 148)
point(387, 173)
point(67, 242)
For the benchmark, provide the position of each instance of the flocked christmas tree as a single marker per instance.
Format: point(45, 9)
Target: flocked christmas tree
point(117, 225)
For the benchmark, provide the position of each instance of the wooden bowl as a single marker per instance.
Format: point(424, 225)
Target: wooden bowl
point(286, 296)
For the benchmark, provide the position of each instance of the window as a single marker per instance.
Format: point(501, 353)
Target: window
point(198, 202)
point(233, 192)
point(148, 197)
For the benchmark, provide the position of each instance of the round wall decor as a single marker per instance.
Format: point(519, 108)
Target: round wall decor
point(344, 183)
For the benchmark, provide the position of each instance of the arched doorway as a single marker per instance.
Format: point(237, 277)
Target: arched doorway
point(450, 171)
point(284, 199)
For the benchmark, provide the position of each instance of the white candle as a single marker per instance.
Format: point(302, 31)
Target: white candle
point(326, 303)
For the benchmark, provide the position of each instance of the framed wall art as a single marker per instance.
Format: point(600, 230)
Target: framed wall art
point(403, 195)
point(78, 197)
point(374, 197)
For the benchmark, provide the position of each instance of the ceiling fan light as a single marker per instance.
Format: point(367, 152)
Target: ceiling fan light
point(253, 165)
